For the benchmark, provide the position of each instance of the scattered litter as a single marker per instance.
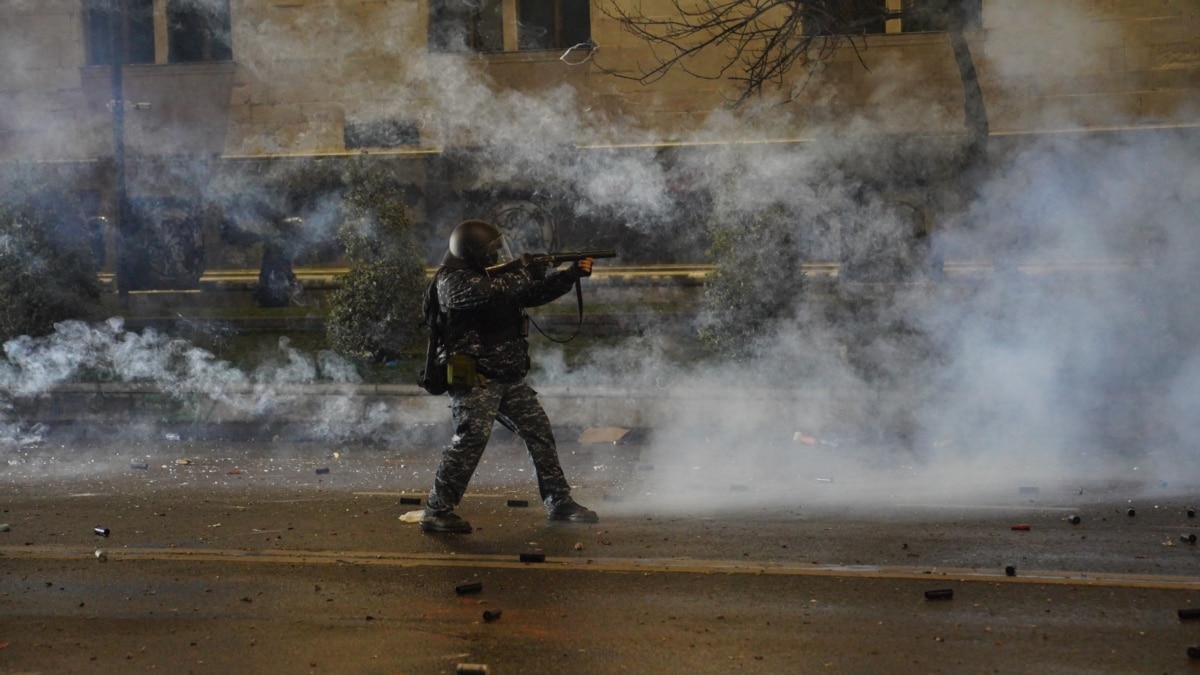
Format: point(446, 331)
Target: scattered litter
point(234, 471)
point(824, 480)
point(603, 435)
point(518, 503)
point(1073, 519)
point(471, 669)
point(804, 438)
point(410, 501)
point(413, 516)
point(100, 531)
point(139, 466)
point(464, 589)
point(4, 527)
point(533, 557)
point(101, 556)
point(578, 546)
point(1189, 614)
point(1028, 490)
point(1131, 513)
point(940, 594)
point(491, 615)
point(322, 471)
point(1021, 527)
point(183, 462)
point(1189, 538)
point(1010, 571)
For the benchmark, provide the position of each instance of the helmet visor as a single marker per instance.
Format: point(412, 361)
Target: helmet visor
point(498, 252)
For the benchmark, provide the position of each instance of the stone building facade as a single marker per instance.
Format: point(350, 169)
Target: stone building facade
point(523, 111)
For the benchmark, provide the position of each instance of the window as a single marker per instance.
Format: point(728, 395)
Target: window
point(856, 17)
point(507, 25)
point(195, 30)
point(198, 30)
point(552, 24)
point(134, 18)
point(466, 26)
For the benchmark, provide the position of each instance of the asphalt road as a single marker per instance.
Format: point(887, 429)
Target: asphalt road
point(252, 558)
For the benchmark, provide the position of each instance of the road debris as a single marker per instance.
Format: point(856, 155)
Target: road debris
point(322, 471)
point(1131, 513)
point(413, 516)
point(5, 527)
point(533, 557)
point(101, 556)
point(139, 466)
point(471, 669)
point(183, 462)
point(518, 503)
point(1189, 614)
point(940, 594)
point(1189, 538)
point(1021, 527)
point(466, 589)
point(410, 501)
point(491, 615)
point(100, 531)
point(1073, 519)
point(603, 435)
point(1010, 571)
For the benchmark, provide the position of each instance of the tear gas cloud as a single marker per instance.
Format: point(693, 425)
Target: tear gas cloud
point(1026, 375)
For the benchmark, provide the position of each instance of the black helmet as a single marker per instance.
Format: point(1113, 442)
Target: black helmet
point(479, 244)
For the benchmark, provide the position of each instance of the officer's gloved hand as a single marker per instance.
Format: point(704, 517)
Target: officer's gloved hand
point(582, 268)
point(536, 268)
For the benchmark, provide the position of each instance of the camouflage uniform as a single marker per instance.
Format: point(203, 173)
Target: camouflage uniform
point(485, 319)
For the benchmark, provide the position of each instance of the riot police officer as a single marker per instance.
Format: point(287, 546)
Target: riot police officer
point(486, 353)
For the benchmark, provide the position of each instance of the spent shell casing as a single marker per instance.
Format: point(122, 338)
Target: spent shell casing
point(533, 557)
point(1073, 519)
point(414, 501)
point(1193, 652)
point(1189, 538)
point(464, 589)
point(1191, 513)
point(940, 594)
point(1131, 513)
point(518, 503)
point(491, 615)
point(322, 471)
point(1189, 614)
point(100, 531)
point(1010, 571)
point(471, 669)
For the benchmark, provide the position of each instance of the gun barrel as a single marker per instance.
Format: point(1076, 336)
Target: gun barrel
point(580, 255)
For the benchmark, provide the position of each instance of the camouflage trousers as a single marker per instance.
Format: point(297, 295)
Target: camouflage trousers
point(516, 406)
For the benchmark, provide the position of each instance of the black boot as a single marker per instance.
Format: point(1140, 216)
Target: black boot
point(444, 522)
point(571, 512)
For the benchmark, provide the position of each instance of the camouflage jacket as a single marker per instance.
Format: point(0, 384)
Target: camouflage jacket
point(484, 315)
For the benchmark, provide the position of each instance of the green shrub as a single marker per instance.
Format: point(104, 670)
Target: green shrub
point(376, 313)
point(47, 273)
point(756, 281)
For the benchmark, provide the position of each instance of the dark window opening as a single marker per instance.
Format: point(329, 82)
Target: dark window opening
point(198, 31)
point(923, 16)
point(130, 21)
point(552, 24)
point(858, 17)
point(466, 26)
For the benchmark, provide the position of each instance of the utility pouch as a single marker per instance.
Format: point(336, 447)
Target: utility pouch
point(460, 371)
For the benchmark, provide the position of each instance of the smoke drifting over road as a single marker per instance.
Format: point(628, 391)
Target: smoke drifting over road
point(1046, 367)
